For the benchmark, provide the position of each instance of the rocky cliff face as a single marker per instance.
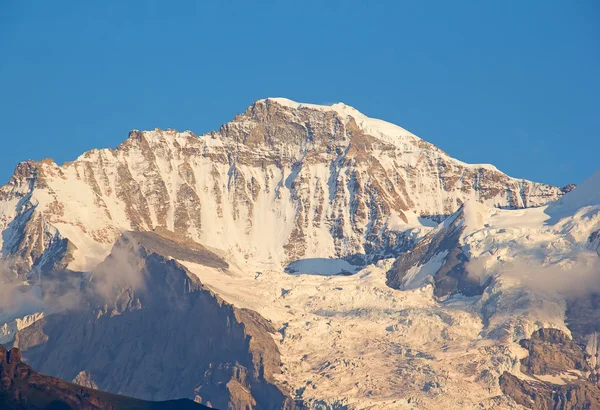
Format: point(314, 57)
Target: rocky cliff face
point(280, 182)
point(440, 250)
point(151, 330)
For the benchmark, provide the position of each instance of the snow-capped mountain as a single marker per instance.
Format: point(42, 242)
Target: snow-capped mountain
point(303, 256)
point(283, 181)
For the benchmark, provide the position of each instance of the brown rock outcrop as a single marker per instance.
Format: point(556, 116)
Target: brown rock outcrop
point(553, 353)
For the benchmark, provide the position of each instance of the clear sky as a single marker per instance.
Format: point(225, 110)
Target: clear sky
point(513, 83)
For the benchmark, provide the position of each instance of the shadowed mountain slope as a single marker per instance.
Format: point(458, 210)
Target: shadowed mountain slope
point(21, 388)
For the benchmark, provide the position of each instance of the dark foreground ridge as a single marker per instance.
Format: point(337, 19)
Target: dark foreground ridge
point(21, 388)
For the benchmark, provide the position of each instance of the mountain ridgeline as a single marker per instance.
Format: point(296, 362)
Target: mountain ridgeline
point(300, 257)
point(281, 182)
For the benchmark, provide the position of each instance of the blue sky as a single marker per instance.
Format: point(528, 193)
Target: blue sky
point(513, 83)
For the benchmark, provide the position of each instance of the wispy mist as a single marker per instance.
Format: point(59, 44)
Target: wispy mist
point(15, 298)
point(57, 291)
point(572, 277)
point(123, 268)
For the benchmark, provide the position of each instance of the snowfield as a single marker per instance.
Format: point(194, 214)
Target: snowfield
point(353, 342)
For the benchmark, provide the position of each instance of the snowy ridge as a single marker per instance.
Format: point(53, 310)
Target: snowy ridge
point(372, 126)
point(387, 131)
point(282, 182)
point(586, 194)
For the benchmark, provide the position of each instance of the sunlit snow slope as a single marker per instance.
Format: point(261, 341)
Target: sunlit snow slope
point(352, 342)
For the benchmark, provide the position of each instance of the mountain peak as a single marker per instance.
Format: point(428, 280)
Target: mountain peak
point(338, 107)
point(372, 126)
